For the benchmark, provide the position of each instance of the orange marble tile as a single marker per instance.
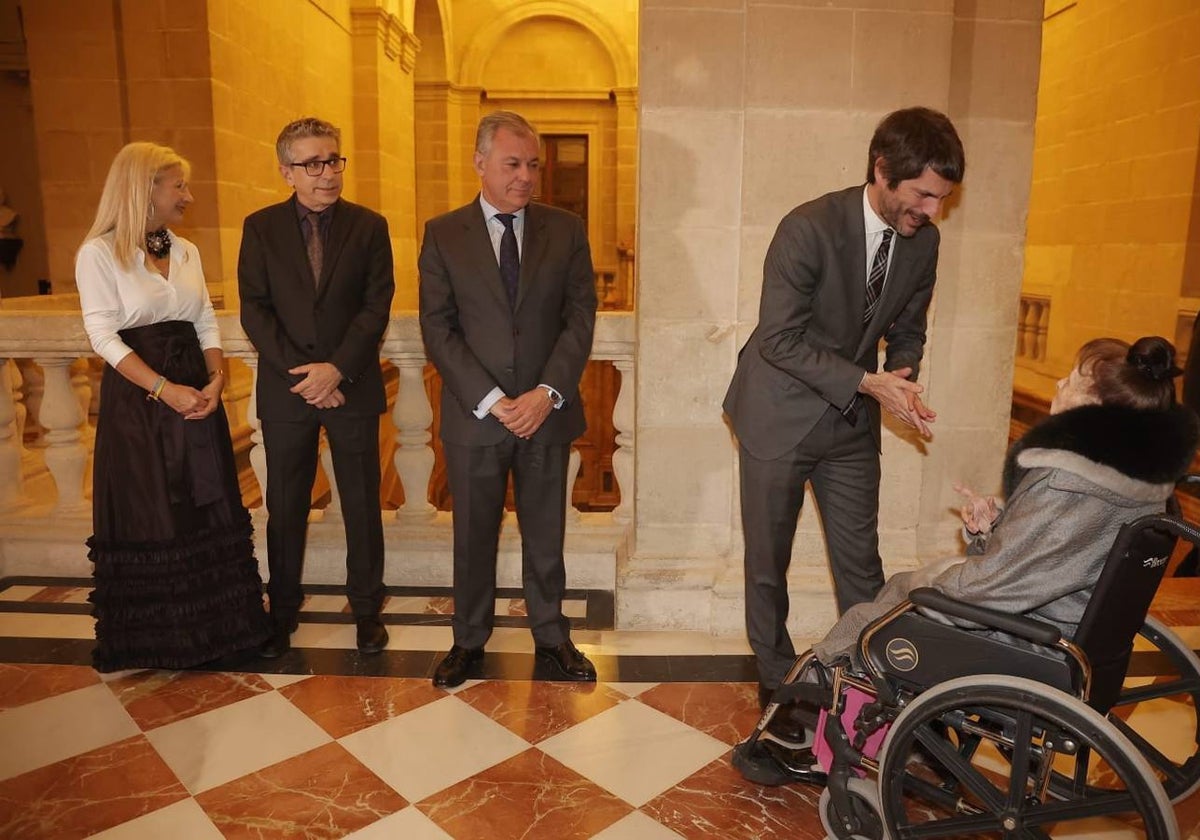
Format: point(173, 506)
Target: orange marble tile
point(341, 705)
point(517, 607)
point(439, 606)
point(726, 711)
point(88, 793)
point(536, 710)
point(21, 684)
point(156, 698)
point(717, 802)
point(323, 793)
point(54, 594)
point(529, 795)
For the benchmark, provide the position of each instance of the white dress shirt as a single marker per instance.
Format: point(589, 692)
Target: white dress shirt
point(875, 227)
point(114, 297)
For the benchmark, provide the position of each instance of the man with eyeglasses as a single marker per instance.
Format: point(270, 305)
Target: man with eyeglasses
point(315, 281)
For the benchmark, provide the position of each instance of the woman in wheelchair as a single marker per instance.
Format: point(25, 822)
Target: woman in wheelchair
point(1110, 454)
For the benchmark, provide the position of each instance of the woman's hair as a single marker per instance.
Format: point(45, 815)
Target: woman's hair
point(125, 206)
point(1134, 376)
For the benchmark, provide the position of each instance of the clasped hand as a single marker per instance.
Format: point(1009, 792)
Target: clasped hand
point(187, 401)
point(900, 398)
point(319, 387)
point(523, 415)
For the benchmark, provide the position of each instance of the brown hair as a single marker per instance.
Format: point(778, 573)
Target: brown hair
point(1134, 376)
point(912, 139)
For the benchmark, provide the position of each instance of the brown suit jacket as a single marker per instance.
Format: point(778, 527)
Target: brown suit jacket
point(478, 342)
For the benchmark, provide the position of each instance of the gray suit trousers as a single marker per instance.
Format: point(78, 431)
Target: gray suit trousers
point(842, 463)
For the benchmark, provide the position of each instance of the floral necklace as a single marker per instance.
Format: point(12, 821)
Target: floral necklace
point(158, 243)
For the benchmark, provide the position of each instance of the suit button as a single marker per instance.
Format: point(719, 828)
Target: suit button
point(508, 370)
point(516, 332)
point(308, 346)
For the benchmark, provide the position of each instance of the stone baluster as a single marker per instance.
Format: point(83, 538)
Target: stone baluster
point(1043, 328)
point(32, 388)
point(61, 417)
point(18, 397)
point(258, 455)
point(10, 442)
point(412, 415)
point(1022, 329)
point(573, 464)
point(333, 511)
point(622, 459)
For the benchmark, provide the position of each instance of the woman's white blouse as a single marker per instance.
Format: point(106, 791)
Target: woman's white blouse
point(115, 298)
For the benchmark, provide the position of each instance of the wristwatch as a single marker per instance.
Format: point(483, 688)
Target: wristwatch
point(555, 397)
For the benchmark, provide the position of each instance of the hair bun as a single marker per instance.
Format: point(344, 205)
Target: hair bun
point(1154, 358)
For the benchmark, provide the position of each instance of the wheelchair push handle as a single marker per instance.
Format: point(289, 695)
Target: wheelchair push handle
point(1020, 626)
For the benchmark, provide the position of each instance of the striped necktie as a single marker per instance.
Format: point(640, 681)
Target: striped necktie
point(878, 274)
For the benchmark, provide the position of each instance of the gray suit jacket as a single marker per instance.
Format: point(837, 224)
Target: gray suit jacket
point(477, 341)
point(810, 348)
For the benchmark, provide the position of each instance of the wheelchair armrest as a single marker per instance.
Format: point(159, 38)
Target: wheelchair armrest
point(1025, 628)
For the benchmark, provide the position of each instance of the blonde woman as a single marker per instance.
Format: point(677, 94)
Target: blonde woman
point(176, 582)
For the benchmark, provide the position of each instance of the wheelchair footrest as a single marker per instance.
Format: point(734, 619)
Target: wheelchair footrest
point(771, 765)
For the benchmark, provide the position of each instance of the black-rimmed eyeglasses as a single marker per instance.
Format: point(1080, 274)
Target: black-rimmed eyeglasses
point(316, 167)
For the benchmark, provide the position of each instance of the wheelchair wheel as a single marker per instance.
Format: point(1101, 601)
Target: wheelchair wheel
point(864, 806)
point(977, 756)
point(1172, 701)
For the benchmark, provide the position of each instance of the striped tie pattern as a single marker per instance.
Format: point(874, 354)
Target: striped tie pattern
point(877, 275)
point(314, 246)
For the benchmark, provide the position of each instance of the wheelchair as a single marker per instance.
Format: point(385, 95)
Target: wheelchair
point(941, 731)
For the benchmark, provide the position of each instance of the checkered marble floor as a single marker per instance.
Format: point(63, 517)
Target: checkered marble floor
point(318, 749)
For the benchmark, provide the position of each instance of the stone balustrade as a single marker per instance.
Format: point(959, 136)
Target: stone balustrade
point(48, 380)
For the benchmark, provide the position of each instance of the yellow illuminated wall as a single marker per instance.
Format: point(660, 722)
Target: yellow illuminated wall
point(1112, 213)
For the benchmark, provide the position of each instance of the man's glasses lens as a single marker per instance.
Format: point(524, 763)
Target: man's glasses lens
point(316, 167)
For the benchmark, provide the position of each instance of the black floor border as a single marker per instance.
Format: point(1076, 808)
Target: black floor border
point(599, 611)
point(495, 666)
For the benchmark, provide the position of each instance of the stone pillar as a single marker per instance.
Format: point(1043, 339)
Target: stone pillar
point(10, 443)
point(384, 53)
point(66, 457)
point(413, 458)
point(748, 109)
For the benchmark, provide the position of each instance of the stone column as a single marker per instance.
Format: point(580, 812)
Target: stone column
point(11, 489)
point(66, 457)
point(413, 458)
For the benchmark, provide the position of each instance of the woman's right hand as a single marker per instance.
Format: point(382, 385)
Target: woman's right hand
point(978, 512)
point(182, 399)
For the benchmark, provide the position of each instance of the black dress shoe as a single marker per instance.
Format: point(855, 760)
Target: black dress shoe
point(279, 643)
point(571, 664)
point(788, 722)
point(372, 635)
point(453, 669)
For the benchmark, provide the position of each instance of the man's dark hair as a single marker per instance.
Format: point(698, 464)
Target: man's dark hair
point(910, 140)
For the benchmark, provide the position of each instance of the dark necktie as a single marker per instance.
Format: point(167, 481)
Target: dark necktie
point(876, 277)
point(312, 244)
point(510, 259)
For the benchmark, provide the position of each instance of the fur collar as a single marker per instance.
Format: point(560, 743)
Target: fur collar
point(1137, 454)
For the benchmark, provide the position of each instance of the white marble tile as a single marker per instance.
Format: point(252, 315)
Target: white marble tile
point(184, 819)
point(227, 743)
point(46, 731)
point(432, 747)
point(574, 609)
point(327, 636)
point(20, 593)
point(410, 824)
point(632, 689)
point(634, 751)
point(636, 826)
point(280, 680)
point(408, 604)
point(47, 626)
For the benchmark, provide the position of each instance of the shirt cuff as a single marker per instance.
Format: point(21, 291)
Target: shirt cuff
point(485, 405)
point(555, 397)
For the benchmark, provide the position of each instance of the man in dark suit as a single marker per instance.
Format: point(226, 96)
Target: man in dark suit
point(842, 271)
point(508, 307)
point(315, 281)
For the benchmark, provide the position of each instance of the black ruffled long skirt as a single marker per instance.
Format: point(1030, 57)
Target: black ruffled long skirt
point(176, 581)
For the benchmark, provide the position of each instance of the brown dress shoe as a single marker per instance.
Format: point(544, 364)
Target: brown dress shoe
point(453, 669)
point(568, 661)
point(372, 636)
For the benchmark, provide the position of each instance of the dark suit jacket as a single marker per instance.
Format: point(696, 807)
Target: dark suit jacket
point(810, 348)
point(477, 341)
point(340, 320)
